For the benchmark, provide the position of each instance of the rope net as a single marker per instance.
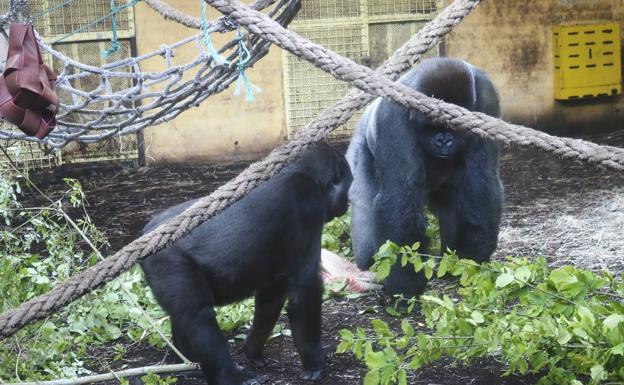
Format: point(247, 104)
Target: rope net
point(119, 99)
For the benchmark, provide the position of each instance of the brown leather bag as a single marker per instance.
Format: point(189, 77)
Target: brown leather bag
point(27, 97)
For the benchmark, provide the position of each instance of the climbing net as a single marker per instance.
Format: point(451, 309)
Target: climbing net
point(118, 98)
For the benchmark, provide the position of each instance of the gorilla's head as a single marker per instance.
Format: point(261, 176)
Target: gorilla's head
point(336, 198)
point(330, 170)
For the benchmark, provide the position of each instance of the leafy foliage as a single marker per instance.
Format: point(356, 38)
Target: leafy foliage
point(336, 236)
point(41, 247)
point(567, 324)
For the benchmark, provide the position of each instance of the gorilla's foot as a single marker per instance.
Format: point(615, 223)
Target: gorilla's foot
point(256, 360)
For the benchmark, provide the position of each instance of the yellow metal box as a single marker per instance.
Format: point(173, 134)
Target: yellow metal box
point(587, 61)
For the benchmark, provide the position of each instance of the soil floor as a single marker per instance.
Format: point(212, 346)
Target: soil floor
point(540, 190)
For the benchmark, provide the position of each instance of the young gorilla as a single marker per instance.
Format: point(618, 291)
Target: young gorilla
point(402, 161)
point(267, 245)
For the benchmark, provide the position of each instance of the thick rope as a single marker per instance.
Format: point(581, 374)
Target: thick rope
point(207, 207)
point(447, 114)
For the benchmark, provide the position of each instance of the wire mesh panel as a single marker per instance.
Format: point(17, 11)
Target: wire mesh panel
point(406, 8)
point(328, 9)
point(367, 31)
point(31, 155)
point(83, 31)
point(385, 38)
point(310, 90)
point(71, 20)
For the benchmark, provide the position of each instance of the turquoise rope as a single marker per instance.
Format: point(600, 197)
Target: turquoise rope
point(114, 40)
point(243, 59)
point(207, 40)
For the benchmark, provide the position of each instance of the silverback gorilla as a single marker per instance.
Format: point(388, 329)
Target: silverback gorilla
point(266, 245)
point(402, 161)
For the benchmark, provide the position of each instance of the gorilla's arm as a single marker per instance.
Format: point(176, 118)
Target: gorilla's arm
point(479, 206)
point(400, 175)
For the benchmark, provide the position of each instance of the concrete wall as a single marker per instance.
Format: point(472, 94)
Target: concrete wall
point(224, 127)
point(512, 41)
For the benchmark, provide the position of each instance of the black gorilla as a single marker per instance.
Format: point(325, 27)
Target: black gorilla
point(266, 245)
point(402, 162)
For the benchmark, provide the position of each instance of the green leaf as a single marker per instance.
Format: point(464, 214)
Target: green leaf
point(402, 377)
point(374, 360)
point(381, 328)
point(563, 336)
point(598, 373)
point(346, 335)
point(382, 270)
point(561, 277)
point(523, 274)
point(443, 267)
point(587, 317)
point(407, 328)
point(429, 266)
point(580, 333)
point(612, 321)
point(417, 262)
point(503, 280)
point(372, 377)
point(618, 350)
point(477, 317)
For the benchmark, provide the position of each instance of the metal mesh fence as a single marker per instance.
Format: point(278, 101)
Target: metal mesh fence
point(401, 7)
point(309, 90)
point(57, 19)
point(366, 31)
point(328, 9)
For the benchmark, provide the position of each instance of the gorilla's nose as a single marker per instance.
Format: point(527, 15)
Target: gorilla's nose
point(444, 140)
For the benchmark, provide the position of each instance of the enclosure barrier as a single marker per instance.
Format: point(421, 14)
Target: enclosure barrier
point(362, 77)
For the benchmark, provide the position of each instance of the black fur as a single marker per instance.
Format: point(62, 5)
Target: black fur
point(266, 245)
point(402, 162)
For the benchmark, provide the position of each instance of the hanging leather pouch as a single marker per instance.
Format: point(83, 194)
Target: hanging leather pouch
point(27, 96)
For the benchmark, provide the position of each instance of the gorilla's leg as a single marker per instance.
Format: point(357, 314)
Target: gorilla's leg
point(363, 234)
point(189, 301)
point(304, 312)
point(472, 230)
point(268, 305)
point(405, 281)
point(361, 194)
point(401, 219)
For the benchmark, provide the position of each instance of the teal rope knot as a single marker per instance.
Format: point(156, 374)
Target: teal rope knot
point(114, 40)
point(243, 60)
point(207, 40)
point(244, 56)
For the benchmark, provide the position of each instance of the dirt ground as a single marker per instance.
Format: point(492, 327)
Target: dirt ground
point(567, 211)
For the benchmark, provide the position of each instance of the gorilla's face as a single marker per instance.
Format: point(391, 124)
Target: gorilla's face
point(441, 143)
point(336, 195)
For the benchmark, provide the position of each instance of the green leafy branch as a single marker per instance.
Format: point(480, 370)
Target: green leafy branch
point(566, 324)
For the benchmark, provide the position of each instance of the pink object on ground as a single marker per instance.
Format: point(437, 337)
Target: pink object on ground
point(335, 267)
